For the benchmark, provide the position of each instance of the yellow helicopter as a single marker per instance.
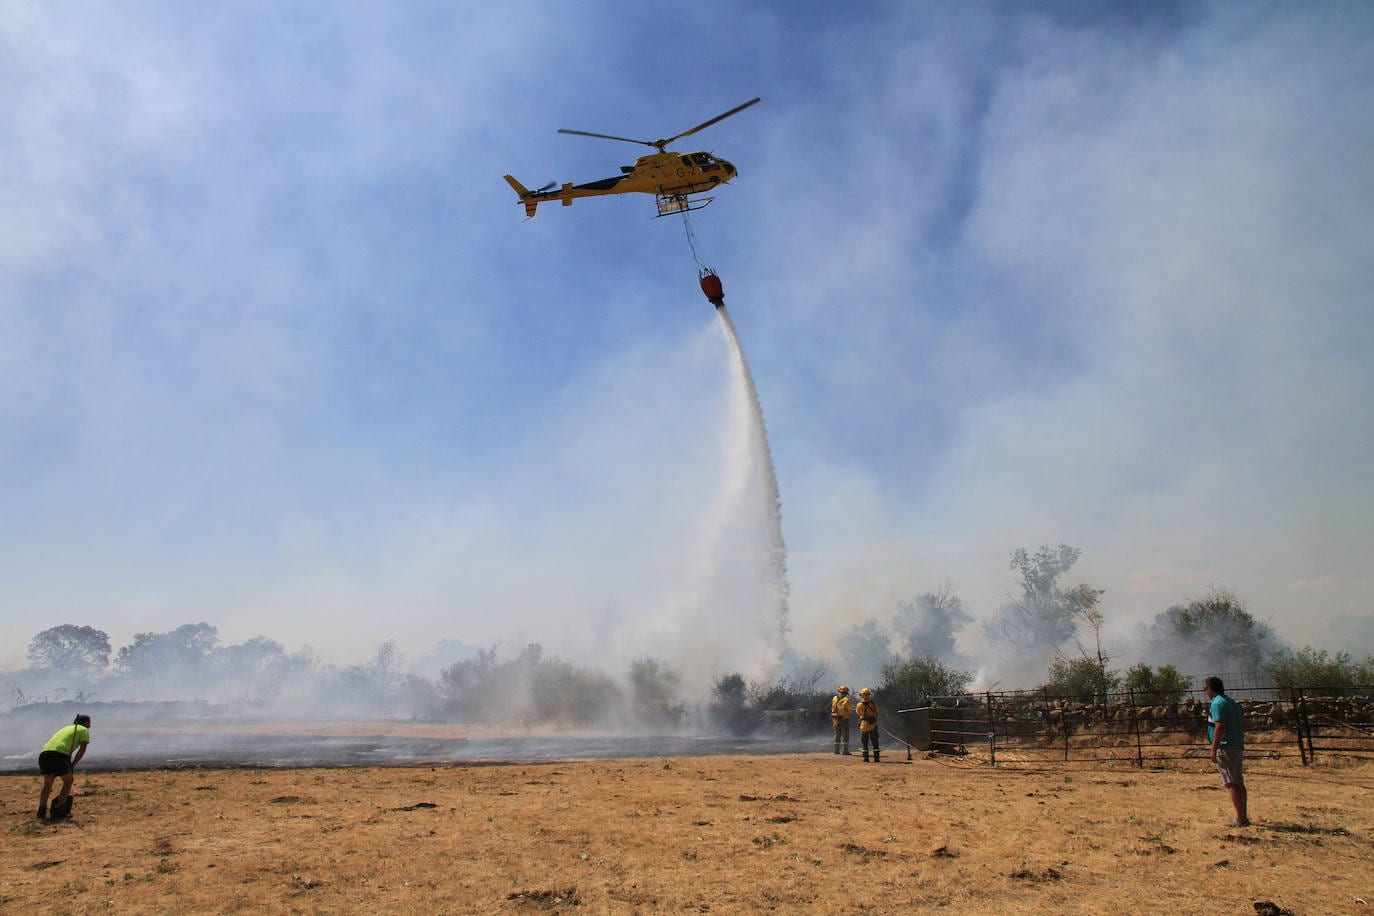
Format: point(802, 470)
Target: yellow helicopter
point(671, 177)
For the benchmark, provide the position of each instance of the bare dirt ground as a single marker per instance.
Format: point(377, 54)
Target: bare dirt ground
point(782, 833)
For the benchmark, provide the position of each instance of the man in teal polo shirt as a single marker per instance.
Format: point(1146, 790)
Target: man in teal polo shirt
point(1228, 745)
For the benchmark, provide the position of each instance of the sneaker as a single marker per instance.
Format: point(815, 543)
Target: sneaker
point(1237, 822)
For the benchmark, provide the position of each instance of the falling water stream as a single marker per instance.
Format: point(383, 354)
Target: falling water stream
point(748, 408)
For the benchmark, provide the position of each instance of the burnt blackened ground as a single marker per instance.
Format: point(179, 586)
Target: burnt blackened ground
point(130, 749)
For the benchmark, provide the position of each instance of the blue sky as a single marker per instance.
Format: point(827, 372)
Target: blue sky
point(279, 352)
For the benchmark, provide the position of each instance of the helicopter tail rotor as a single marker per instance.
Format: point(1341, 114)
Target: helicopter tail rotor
point(530, 199)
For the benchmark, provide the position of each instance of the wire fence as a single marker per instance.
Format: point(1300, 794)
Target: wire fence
point(1012, 727)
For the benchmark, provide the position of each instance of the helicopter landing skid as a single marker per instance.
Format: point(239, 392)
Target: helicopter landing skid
point(669, 204)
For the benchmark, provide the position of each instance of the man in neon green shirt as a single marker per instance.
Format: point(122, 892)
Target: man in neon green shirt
point(56, 759)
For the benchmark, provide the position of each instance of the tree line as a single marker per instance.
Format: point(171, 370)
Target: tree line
point(1052, 619)
point(909, 658)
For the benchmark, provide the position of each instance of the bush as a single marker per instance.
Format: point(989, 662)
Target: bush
point(787, 693)
point(1086, 679)
point(911, 682)
point(1165, 685)
point(532, 688)
point(729, 709)
point(1312, 668)
point(464, 684)
point(1214, 632)
point(654, 694)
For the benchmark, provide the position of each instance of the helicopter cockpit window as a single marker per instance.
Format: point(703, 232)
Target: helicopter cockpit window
point(687, 162)
point(701, 158)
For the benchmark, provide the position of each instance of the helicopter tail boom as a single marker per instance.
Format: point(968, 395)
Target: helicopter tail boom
point(566, 193)
point(529, 198)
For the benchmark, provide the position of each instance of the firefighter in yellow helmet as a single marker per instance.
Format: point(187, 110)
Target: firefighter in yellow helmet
point(841, 708)
point(868, 722)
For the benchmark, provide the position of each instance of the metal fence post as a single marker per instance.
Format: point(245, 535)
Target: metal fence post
point(992, 732)
point(1135, 719)
point(1064, 719)
point(1305, 724)
point(1297, 724)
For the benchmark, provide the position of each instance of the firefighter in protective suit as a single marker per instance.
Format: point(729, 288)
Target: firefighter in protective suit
point(841, 708)
point(868, 722)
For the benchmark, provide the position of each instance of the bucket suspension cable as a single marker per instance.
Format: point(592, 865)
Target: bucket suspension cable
point(692, 241)
point(710, 282)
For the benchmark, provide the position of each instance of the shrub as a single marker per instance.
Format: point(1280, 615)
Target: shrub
point(912, 681)
point(654, 693)
point(787, 693)
point(1312, 668)
point(1157, 686)
point(1086, 679)
point(729, 709)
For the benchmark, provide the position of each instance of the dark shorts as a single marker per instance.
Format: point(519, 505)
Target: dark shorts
point(1231, 763)
point(54, 763)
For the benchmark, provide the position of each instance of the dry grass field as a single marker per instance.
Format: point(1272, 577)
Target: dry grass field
point(793, 833)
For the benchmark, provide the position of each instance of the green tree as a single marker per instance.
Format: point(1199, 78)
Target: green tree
point(1086, 679)
point(1213, 633)
point(1084, 603)
point(729, 708)
point(654, 692)
point(463, 684)
point(579, 696)
point(182, 656)
point(533, 687)
point(1157, 686)
point(257, 667)
point(1045, 616)
point(378, 683)
point(789, 693)
point(81, 652)
point(912, 681)
point(1310, 667)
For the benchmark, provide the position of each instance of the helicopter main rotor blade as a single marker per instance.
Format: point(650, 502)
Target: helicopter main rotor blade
point(687, 133)
point(583, 133)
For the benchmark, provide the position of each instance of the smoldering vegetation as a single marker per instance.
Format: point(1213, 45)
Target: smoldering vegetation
point(1053, 633)
point(185, 673)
